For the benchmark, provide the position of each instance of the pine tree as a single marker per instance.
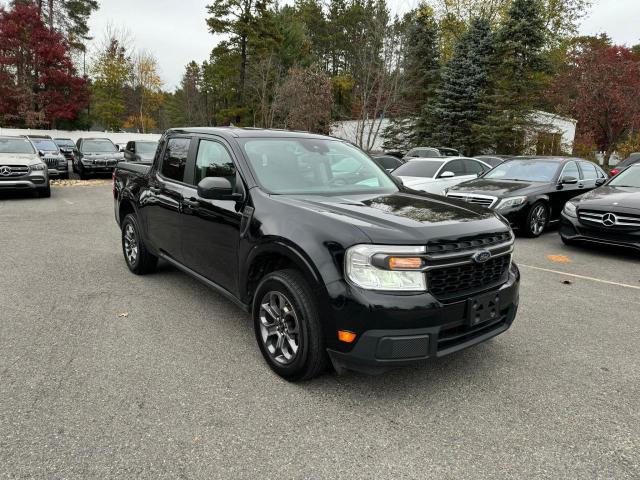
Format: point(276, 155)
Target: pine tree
point(420, 76)
point(459, 112)
point(520, 74)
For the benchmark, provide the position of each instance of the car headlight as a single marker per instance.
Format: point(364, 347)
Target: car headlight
point(511, 202)
point(385, 267)
point(38, 166)
point(570, 210)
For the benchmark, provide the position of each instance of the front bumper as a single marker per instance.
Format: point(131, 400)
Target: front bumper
point(58, 172)
point(415, 328)
point(31, 182)
point(573, 230)
point(99, 167)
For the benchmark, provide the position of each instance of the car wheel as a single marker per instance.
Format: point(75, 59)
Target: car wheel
point(536, 220)
point(73, 167)
point(139, 260)
point(45, 192)
point(287, 326)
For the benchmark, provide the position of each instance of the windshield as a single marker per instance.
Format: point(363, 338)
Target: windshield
point(628, 178)
point(314, 166)
point(16, 145)
point(146, 147)
point(64, 142)
point(45, 144)
point(98, 146)
point(529, 170)
point(418, 169)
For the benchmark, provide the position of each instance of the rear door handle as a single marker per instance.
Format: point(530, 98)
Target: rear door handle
point(154, 190)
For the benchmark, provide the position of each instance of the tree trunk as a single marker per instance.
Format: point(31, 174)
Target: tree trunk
point(243, 66)
point(51, 14)
point(605, 160)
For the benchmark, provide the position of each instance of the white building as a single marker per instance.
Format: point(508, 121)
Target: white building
point(549, 134)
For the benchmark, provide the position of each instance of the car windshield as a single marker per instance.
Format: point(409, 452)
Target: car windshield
point(45, 144)
point(418, 168)
point(527, 170)
point(146, 147)
point(98, 146)
point(314, 166)
point(16, 145)
point(64, 142)
point(629, 178)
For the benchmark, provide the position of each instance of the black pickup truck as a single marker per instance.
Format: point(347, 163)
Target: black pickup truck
point(335, 261)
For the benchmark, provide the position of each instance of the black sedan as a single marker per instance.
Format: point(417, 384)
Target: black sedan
point(530, 192)
point(609, 215)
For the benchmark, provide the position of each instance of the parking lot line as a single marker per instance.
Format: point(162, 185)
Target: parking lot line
point(583, 277)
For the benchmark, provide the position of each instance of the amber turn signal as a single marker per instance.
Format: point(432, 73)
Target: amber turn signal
point(345, 336)
point(404, 263)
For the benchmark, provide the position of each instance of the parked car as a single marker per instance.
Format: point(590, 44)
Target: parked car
point(436, 175)
point(51, 155)
point(494, 160)
point(140, 151)
point(387, 162)
point(608, 215)
point(630, 160)
point(531, 192)
point(394, 153)
point(21, 167)
point(448, 152)
point(67, 148)
point(368, 275)
point(95, 155)
point(422, 152)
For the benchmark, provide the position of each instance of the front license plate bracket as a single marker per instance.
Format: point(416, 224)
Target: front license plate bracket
point(483, 308)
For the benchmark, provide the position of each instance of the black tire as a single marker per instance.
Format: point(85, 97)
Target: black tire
point(310, 359)
point(73, 167)
point(539, 212)
point(83, 175)
point(45, 192)
point(143, 261)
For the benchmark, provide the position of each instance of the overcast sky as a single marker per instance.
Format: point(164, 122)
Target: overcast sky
point(175, 31)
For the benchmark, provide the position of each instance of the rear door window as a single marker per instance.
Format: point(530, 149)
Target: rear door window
point(589, 170)
point(175, 157)
point(455, 166)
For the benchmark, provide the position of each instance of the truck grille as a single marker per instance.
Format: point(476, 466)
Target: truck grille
point(10, 171)
point(52, 162)
point(468, 243)
point(484, 200)
point(457, 280)
point(609, 219)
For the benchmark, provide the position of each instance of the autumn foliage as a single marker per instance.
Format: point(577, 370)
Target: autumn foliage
point(38, 82)
point(600, 89)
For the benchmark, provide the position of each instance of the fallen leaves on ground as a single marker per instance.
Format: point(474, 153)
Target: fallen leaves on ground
point(559, 258)
point(124, 315)
point(80, 183)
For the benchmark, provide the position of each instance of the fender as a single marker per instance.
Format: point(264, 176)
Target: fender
point(277, 246)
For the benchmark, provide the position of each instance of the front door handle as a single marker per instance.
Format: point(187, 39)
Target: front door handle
point(191, 203)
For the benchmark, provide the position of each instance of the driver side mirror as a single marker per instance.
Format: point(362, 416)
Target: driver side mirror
point(447, 174)
point(600, 181)
point(41, 153)
point(568, 180)
point(217, 188)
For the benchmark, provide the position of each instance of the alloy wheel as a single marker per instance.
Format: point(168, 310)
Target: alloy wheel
point(538, 219)
point(279, 327)
point(130, 244)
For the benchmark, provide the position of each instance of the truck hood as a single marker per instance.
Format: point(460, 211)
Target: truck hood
point(611, 198)
point(403, 218)
point(497, 188)
point(19, 158)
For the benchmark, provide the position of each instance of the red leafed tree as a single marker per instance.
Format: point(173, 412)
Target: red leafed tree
point(38, 82)
point(600, 88)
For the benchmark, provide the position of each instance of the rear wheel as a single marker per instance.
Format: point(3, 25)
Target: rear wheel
point(138, 258)
point(536, 220)
point(287, 326)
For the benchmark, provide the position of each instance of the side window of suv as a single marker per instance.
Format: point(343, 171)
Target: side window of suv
point(213, 160)
point(570, 170)
point(175, 158)
point(589, 170)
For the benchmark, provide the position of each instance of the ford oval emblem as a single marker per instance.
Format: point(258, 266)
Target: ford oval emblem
point(481, 256)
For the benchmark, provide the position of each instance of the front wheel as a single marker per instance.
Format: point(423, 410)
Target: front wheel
point(536, 220)
point(287, 326)
point(45, 192)
point(138, 258)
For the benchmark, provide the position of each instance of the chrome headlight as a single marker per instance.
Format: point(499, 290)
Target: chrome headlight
point(570, 210)
point(38, 166)
point(511, 202)
point(385, 267)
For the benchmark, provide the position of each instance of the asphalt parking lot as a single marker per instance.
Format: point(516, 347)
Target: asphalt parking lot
point(104, 374)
